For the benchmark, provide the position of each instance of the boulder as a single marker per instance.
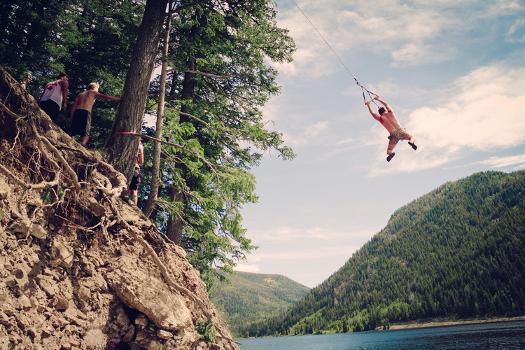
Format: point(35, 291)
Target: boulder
point(38, 231)
point(141, 289)
point(62, 253)
point(61, 303)
point(95, 339)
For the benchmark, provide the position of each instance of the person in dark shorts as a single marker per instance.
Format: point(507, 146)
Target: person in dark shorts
point(81, 124)
point(137, 178)
point(81, 111)
point(54, 97)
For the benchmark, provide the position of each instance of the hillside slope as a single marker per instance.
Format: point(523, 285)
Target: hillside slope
point(79, 267)
point(458, 251)
point(249, 297)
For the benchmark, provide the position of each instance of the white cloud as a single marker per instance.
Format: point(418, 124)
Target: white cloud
point(517, 161)
point(397, 28)
point(516, 33)
point(503, 7)
point(290, 234)
point(311, 254)
point(306, 135)
point(483, 111)
point(418, 52)
point(345, 141)
point(248, 268)
point(407, 31)
point(271, 111)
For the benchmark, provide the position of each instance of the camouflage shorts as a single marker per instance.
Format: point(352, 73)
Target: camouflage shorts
point(399, 134)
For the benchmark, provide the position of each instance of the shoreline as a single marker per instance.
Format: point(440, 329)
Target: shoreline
point(451, 322)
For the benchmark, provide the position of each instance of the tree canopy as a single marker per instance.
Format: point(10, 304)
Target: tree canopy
point(220, 77)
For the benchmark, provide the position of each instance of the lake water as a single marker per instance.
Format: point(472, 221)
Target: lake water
point(504, 335)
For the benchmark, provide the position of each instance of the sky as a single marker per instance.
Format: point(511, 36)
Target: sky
point(453, 72)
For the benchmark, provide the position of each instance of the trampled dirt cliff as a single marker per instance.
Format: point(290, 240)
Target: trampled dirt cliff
point(79, 267)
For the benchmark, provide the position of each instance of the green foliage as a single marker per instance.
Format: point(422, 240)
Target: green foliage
point(227, 47)
point(248, 297)
point(89, 40)
point(207, 331)
point(458, 251)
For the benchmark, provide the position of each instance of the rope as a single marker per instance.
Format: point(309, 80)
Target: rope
point(363, 88)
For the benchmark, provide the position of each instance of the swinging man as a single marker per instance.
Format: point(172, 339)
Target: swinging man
point(388, 119)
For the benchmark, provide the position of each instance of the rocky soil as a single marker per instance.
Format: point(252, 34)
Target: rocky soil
point(79, 267)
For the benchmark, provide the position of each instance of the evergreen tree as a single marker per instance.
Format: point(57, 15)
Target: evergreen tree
point(220, 81)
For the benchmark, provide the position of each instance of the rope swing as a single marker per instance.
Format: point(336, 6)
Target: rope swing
point(364, 89)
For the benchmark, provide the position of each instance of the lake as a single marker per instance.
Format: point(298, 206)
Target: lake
point(503, 335)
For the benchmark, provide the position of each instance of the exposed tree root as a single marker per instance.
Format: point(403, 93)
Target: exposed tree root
point(51, 167)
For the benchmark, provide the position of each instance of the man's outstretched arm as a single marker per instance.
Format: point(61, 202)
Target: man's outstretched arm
point(387, 106)
point(375, 115)
point(107, 97)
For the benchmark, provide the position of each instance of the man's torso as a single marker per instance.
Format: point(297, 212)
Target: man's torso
point(390, 122)
point(86, 100)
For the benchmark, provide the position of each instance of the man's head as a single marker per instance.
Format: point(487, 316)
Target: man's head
point(381, 110)
point(93, 86)
point(62, 76)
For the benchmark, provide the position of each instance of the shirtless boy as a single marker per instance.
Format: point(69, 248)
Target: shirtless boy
point(81, 111)
point(388, 119)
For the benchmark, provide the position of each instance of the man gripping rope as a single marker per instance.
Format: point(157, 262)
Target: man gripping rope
point(388, 119)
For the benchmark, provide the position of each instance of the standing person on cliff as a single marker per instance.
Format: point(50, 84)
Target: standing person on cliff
point(81, 111)
point(54, 97)
point(137, 177)
point(26, 80)
point(388, 119)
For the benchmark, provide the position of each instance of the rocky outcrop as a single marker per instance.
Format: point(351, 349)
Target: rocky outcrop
point(79, 267)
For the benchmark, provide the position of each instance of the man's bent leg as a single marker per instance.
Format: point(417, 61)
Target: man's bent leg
point(411, 141)
point(390, 149)
point(391, 145)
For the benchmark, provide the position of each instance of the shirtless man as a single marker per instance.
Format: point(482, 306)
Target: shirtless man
point(388, 119)
point(54, 97)
point(81, 111)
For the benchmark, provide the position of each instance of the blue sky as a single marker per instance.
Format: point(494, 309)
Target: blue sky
point(454, 73)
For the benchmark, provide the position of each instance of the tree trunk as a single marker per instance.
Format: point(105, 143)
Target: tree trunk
point(175, 223)
point(122, 149)
point(155, 176)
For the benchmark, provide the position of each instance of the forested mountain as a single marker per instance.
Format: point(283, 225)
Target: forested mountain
point(458, 251)
point(248, 297)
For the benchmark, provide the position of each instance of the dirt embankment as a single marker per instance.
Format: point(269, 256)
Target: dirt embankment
point(79, 267)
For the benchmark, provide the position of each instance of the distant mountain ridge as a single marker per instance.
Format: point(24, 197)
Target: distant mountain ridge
point(456, 251)
point(250, 297)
